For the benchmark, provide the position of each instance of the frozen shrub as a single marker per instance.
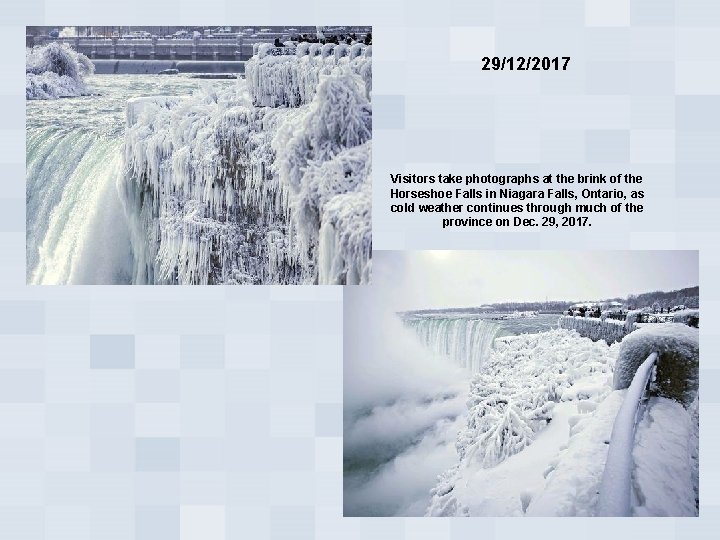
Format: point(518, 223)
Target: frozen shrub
point(513, 397)
point(631, 318)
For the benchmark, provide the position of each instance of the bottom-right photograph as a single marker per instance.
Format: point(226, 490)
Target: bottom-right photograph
point(523, 383)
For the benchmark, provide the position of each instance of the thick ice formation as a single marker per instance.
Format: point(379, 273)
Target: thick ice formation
point(220, 190)
point(609, 329)
point(512, 399)
point(691, 317)
point(55, 70)
point(324, 160)
point(292, 80)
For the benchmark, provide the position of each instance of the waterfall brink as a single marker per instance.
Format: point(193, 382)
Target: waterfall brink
point(466, 342)
point(76, 227)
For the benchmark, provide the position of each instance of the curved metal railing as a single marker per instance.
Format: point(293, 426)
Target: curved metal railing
point(615, 488)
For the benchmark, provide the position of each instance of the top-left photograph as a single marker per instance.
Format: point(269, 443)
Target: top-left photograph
point(198, 155)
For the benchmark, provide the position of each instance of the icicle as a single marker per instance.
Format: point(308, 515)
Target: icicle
point(233, 192)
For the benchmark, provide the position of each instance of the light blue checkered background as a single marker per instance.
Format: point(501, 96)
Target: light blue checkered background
point(211, 413)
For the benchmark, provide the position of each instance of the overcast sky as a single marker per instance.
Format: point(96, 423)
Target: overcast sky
point(441, 279)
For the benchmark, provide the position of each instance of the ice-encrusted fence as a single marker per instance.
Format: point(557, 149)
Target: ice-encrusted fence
point(224, 188)
point(615, 488)
point(292, 79)
point(609, 330)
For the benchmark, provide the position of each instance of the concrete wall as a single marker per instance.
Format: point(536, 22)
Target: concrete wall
point(157, 48)
point(133, 67)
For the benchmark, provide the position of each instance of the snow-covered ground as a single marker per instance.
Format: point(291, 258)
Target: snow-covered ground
point(665, 456)
point(574, 475)
point(496, 491)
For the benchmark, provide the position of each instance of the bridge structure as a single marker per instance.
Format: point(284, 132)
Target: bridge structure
point(237, 48)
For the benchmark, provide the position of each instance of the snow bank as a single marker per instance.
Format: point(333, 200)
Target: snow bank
point(55, 70)
point(574, 476)
point(512, 399)
point(221, 191)
point(664, 477)
point(595, 329)
point(677, 367)
point(666, 468)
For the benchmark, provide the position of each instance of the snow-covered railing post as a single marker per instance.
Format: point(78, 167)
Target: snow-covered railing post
point(615, 487)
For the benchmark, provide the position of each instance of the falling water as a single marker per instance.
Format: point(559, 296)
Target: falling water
point(77, 229)
point(465, 341)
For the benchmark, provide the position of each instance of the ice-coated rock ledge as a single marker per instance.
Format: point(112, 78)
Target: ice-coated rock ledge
point(136, 106)
point(221, 190)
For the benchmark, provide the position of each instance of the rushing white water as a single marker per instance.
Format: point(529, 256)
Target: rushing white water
point(77, 230)
point(466, 341)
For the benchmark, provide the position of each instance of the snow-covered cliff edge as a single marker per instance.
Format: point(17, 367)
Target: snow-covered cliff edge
point(232, 187)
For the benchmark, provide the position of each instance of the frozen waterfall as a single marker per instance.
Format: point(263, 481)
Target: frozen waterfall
point(465, 341)
point(76, 228)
